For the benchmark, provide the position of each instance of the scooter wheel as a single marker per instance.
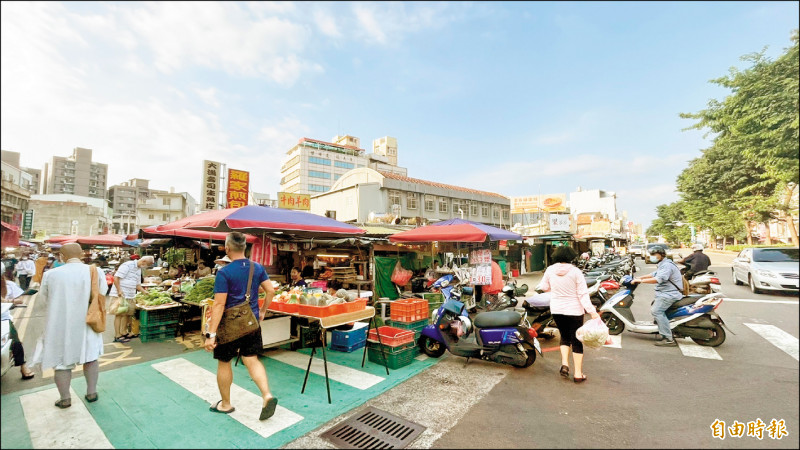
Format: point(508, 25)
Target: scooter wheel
point(717, 338)
point(615, 326)
point(430, 347)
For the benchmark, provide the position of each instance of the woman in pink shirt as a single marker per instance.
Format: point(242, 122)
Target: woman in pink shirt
point(569, 298)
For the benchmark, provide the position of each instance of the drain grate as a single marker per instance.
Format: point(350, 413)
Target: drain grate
point(373, 428)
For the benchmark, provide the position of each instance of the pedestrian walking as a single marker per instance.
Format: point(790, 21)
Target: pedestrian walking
point(41, 265)
point(68, 340)
point(569, 298)
point(11, 293)
point(25, 269)
point(230, 291)
point(128, 281)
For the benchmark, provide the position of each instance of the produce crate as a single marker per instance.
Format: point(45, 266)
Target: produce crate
point(284, 307)
point(435, 300)
point(310, 337)
point(158, 333)
point(409, 310)
point(153, 317)
point(349, 338)
point(391, 336)
point(348, 348)
point(416, 327)
point(393, 360)
point(389, 349)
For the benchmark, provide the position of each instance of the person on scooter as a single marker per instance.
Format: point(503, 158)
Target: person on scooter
point(697, 261)
point(667, 279)
point(569, 299)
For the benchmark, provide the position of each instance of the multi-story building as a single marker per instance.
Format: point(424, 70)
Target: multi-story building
point(364, 193)
point(164, 207)
point(258, 198)
point(76, 174)
point(16, 189)
point(594, 201)
point(312, 166)
point(12, 159)
point(56, 214)
point(124, 199)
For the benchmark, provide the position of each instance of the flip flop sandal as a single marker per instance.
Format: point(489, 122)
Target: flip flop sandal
point(268, 410)
point(580, 380)
point(215, 408)
point(64, 403)
point(91, 397)
point(28, 377)
point(564, 371)
point(122, 340)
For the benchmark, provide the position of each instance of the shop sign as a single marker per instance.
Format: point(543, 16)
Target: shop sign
point(559, 222)
point(287, 246)
point(287, 200)
point(209, 198)
point(601, 227)
point(27, 224)
point(539, 203)
point(480, 257)
point(481, 275)
point(502, 245)
point(238, 188)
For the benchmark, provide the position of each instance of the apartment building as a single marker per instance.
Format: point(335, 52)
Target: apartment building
point(313, 166)
point(16, 186)
point(164, 207)
point(124, 199)
point(56, 214)
point(76, 174)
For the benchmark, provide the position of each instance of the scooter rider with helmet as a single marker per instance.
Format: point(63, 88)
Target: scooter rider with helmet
point(667, 279)
point(698, 261)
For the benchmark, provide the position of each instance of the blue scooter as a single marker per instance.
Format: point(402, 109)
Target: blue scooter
point(501, 336)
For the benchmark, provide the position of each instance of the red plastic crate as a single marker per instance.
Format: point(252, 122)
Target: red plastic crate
point(285, 307)
point(409, 310)
point(391, 336)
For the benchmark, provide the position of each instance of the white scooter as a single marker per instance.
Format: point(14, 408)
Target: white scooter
point(694, 316)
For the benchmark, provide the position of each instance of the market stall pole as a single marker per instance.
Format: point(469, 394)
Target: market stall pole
point(323, 324)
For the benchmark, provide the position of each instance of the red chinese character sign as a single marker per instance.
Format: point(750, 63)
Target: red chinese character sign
point(287, 200)
point(238, 188)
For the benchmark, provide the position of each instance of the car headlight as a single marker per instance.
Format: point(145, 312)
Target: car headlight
point(766, 273)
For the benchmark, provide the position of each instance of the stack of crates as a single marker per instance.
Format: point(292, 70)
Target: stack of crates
point(159, 324)
point(410, 314)
point(435, 300)
point(398, 348)
point(351, 340)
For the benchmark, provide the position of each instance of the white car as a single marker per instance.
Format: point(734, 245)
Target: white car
point(637, 250)
point(768, 268)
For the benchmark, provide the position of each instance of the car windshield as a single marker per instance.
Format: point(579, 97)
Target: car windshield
point(776, 255)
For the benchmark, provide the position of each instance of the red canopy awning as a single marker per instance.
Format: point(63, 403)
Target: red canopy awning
point(10, 235)
point(103, 239)
point(62, 239)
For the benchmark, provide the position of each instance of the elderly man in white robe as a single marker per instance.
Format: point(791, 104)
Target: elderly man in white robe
point(68, 340)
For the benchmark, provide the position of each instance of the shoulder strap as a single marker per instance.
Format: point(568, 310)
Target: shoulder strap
point(249, 281)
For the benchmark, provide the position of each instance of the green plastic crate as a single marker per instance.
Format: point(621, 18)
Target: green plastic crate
point(393, 360)
point(416, 327)
point(387, 349)
point(163, 316)
point(435, 300)
point(158, 333)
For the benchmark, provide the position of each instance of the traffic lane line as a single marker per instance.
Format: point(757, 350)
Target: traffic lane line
point(52, 427)
point(777, 337)
point(203, 384)
point(346, 375)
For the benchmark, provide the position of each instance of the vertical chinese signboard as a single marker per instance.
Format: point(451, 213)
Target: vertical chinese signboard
point(238, 188)
point(27, 224)
point(209, 197)
point(287, 200)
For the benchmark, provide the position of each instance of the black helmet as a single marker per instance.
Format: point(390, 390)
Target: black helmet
point(658, 249)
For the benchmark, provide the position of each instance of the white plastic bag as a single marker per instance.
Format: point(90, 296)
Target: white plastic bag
point(593, 333)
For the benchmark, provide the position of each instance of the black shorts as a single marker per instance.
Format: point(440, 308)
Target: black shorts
point(247, 345)
point(567, 325)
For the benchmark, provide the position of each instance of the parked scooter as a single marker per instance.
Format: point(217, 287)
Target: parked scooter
point(693, 316)
point(499, 336)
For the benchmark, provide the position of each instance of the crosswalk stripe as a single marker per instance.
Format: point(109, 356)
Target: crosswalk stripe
point(203, 384)
point(52, 427)
point(777, 337)
point(690, 348)
point(616, 341)
point(342, 374)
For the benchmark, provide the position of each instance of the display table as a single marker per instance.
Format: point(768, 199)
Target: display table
point(334, 321)
point(359, 284)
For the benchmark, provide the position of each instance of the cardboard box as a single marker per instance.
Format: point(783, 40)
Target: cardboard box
point(275, 329)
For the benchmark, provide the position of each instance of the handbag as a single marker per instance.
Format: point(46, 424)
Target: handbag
point(239, 320)
point(96, 314)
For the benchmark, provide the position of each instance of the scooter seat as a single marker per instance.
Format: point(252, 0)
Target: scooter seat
point(604, 277)
point(683, 302)
point(493, 319)
point(591, 282)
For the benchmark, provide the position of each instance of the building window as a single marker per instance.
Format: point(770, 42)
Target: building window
point(315, 174)
point(151, 216)
point(336, 176)
point(430, 203)
point(505, 214)
point(394, 198)
point(411, 200)
point(485, 209)
point(442, 205)
point(165, 201)
point(456, 206)
point(317, 188)
point(473, 208)
point(343, 165)
point(165, 217)
point(495, 213)
point(323, 161)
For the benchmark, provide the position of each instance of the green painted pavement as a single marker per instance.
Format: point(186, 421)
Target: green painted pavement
point(141, 408)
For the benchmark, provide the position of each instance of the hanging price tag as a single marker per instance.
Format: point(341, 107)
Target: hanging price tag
point(477, 257)
point(481, 275)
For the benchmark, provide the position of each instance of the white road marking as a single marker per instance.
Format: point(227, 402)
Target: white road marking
point(52, 427)
point(751, 300)
point(616, 341)
point(690, 348)
point(422, 357)
point(777, 337)
point(342, 374)
point(203, 384)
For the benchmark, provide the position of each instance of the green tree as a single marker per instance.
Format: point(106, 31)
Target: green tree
point(665, 224)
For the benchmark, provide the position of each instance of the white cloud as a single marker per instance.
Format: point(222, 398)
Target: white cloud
point(208, 95)
point(380, 22)
point(326, 23)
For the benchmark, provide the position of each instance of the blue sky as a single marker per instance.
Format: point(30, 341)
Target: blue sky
point(517, 98)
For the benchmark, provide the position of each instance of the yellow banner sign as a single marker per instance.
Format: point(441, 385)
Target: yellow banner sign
point(539, 203)
point(287, 200)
